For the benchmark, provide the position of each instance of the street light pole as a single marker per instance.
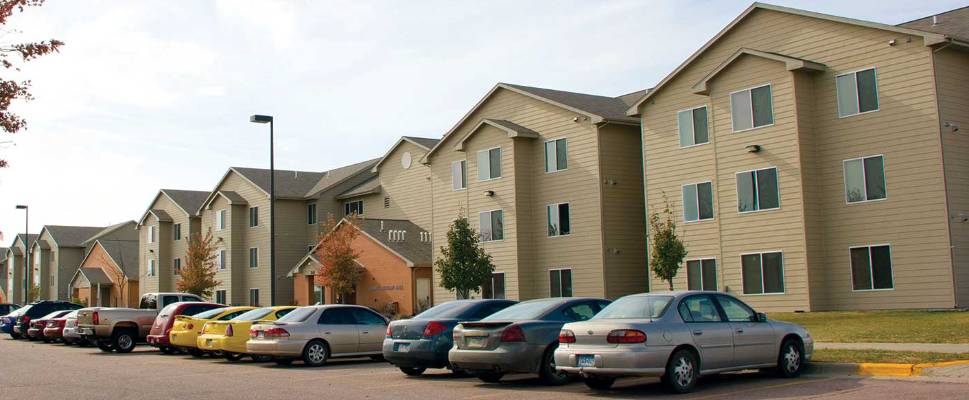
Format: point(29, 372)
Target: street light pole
point(262, 119)
point(26, 250)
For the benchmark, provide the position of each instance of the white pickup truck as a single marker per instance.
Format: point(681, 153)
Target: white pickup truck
point(119, 329)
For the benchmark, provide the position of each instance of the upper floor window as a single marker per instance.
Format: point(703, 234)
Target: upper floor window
point(559, 219)
point(556, 155)
point(693, 126)
point(311, 213)
point(151, 234)
point(701, 274)
point(220, 220)
point(253, 257)
point(763, 273)
point(751, 108)
point(857, 92)
point(221, 260)
point(177, 232)
point(253, 217)
point(151, 267)
point(489, 164)
point(353, 207)
point(177, 266)
point(459, 175)
point(871, 268)
point(491, 225)
point(757, 190)
point(865, 179)
point(697, 201)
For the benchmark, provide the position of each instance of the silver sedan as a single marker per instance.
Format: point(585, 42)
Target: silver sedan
point(679, 336)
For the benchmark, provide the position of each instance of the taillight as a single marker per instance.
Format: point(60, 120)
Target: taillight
point(513, 333)
point(95, 319)
point(432, 329)
point(62, 323)
point(189, 326)
point(566, 336)
point(276, 332)
point(621, 336)
point(389, 332)
point(26, 319)
point(228, 330)
point(253, 333)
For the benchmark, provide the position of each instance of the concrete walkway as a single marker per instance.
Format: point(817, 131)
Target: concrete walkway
point(922, 347)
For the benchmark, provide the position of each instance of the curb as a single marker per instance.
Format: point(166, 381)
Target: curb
point(877, 369)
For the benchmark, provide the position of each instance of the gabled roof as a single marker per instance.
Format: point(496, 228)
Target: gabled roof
point(70, 236)
point(21, 238)
point(930, 39)
point(952, 23)
point(3, 255)
point(411, 249)
point(512, 129)
point(94, 276)
point(124, 254)
point(370, 186)
point(160, 215)
point(791, 63)
point(188, 200)
point(40, 243)
point(130, 234)
point(424, 143)
point(337, 176)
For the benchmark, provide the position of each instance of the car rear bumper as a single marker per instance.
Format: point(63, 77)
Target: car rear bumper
point(35, 332)
point(214, 343)
point(53, 333)
point(184, 339)
point(157, 340)
point(70, 333)
point(277, 348)
point(507, 358)
point(419, 353)
point(617, 361)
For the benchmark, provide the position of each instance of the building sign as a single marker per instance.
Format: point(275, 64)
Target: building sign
point(376, 288)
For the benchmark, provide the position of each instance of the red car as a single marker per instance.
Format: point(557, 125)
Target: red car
point(36, 330)
point(158, 335)
point(54, 330)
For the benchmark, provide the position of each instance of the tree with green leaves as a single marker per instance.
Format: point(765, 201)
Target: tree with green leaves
point(668, 250)
point(463, 265)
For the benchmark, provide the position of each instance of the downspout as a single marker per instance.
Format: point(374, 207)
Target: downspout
point(642, 152)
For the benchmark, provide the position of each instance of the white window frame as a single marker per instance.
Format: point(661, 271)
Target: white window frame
point(693, 128)
point(716, 266)
point(571, 281)
point(713, 204)
point(176, 266)
point(548, 169)
point(221, 255)
point(346, 206)
point(864, 178)
point(559, 222)
point(773, 117)
point(757, 188)
point(220, 219)
point(251, 259)
point(177, 231)
point(492, 240)
point(491, 282)
point(256, 292)
point(225, 296)
point(151, 233)
point(464, 177)
point(871, 267)
point(783, 273)
point(500, 170)
point(151, 266)
point(256, 209)
point(857, 97)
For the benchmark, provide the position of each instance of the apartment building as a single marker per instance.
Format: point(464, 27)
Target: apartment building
point(58, 251)
point(552, 181)
point(237, 213)
point(164, 232)
point(815, 162)
point(108, 274)
point(15, 267)
point(4, 295)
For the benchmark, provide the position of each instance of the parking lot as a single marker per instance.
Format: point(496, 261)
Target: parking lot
point(33, 370)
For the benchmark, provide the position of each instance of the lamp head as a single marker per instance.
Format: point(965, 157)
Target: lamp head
point(261, 119)
point(21, 207)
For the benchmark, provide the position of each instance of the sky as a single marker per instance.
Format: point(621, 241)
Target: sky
point(157, 94)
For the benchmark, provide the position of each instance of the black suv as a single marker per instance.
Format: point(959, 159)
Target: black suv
point(37, 310)
point(8, 308)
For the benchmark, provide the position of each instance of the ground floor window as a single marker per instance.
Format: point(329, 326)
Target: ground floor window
point(871, 268)
point(220, 296)
point(561, 282)
point(494, 288)
point(254, 297)
point(763, 273)
point(318, 293)
point(701, 274)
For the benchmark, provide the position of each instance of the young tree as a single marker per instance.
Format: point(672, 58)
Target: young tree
point(11, 90)
point(463, 265)
point(33, 294)
point(668, 250)
point(338, 267)
point(198, 274)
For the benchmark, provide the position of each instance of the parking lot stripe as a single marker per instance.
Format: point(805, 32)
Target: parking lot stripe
point(801, 381)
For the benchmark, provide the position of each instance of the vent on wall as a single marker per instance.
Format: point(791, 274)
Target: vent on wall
point(396, 235)
point(425, 237)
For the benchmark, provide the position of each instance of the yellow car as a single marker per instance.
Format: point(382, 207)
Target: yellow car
point(230, 337)
point(187, 328)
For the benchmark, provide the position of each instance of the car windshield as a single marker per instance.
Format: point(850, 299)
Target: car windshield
point(451, 309)
point(298, 315)
point(636, 307)
point(253, 315)
point(523, 311)
point(209, 314)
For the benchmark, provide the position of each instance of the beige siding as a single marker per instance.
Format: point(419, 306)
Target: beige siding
point(408, 189)
point(165, 249)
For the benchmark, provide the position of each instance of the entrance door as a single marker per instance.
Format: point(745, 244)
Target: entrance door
point(423, 295)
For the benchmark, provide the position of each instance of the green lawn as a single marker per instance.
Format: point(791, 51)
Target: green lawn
point(884, 356)
point(883, 326)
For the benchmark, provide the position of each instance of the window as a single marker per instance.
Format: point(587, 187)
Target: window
point(222, 259)
point(253, 217)
point(489, 164)
point(337, 316)
point(871, 268)
point(311, 213)
point(459, 175)
point(318, 294)
point(757, 190)
point(491, 226)
point(561, 282)
point(693, 126)
point(579, 312)
point(367, 317)
point(166, 300)
point(701, 274)
point(220, 296)
point(559, 219)
point(309, 249)
point(253, 257)
point(699, 309)
point(751, 108)
point(494, 288)
point(697, 201)
point(857, 92)
point(254, 297)
point(386, 202)
point(151, 267)
point(763, 273)
point(220, 220)
point(735, 310)
point(177, 232)
point(353, 207)
point(177, 266)
point(556, 155)
point(865, 179)
point(151, 234)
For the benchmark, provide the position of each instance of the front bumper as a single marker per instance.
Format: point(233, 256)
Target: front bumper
point(417, 353)
point(615, 361)
point(507, 358)
point(276, 348)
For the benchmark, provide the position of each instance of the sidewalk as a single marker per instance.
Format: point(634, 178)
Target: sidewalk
point(921, 347)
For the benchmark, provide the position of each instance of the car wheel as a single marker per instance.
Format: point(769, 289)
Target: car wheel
point(315, 353)
point(458, 372)
point(283, 361)
point(105, 345)
point(261, 359)
point(547, 372)
point(196, 353)
point(124, 341)
point(68, 342)
point(790, 361)
point(14, 336)
point(599, 382)
point(682, 371)
point(378, 357)
point(46, 340)
point(412, 371)
point(489, 376)
point(232, 356)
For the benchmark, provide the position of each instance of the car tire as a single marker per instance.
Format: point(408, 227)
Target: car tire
point(196, 353)
point(489, 376)
point(599, 382)
point(124, 341)
point(412, 371)
point(232, 356)
point(378, 357)
point(261, 359)
point(315, 353)
point(458, 372)
point(283, 361)
point(15, 336)
point(105, 345)
point(68, 342)
point(682, 371)
point(790, 360)
point(547, 372)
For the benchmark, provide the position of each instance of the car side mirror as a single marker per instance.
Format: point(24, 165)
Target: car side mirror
point(760, 317)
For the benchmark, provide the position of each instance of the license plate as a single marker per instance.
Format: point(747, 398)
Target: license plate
point(208, 342)
point(477, 341)
point(87, 331)
point(402, 347)
point(586, 360)
point(261, 335)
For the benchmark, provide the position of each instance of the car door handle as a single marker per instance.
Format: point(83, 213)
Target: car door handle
point(740, 331)
point(698, 332)
point(326, 333)
point(365, 332)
